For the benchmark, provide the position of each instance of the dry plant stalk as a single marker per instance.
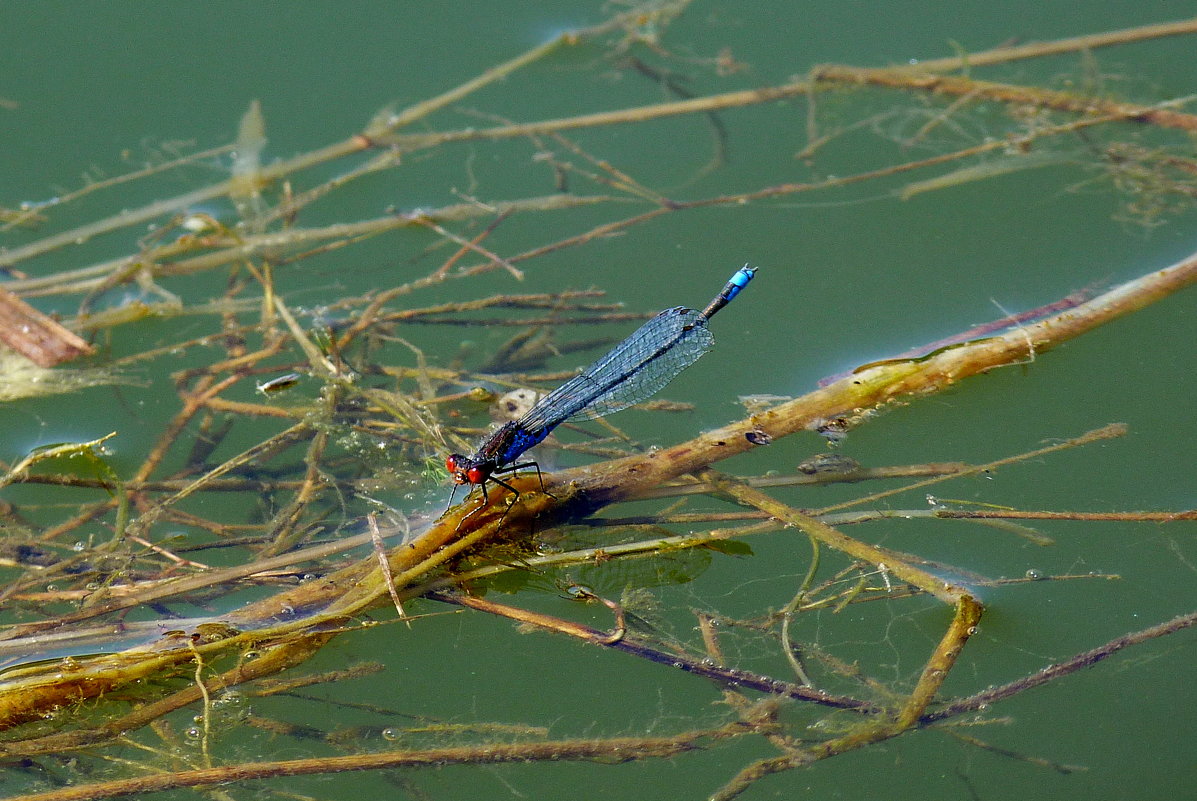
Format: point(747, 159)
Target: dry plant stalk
point(36, 336)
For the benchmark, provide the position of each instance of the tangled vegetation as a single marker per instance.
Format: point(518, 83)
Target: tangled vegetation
point(147, 608)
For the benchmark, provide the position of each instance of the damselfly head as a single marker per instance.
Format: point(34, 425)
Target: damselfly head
point(465, 470)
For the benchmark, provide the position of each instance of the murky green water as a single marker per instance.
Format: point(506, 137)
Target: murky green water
point(849, 275)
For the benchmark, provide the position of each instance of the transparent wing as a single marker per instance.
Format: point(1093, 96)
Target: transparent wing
point(635, 369)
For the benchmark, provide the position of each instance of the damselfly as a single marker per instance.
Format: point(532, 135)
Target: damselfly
point(635, 369)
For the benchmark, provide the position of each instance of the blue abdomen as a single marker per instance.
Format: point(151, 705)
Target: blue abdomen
point(521, 440)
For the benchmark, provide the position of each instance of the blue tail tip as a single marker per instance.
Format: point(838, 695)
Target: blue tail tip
point(743, 276)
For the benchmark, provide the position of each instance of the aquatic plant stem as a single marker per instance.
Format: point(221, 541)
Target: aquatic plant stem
point(874, 386)
point(605, 751)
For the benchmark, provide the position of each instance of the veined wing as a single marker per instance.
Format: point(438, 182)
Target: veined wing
point(634, 370)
